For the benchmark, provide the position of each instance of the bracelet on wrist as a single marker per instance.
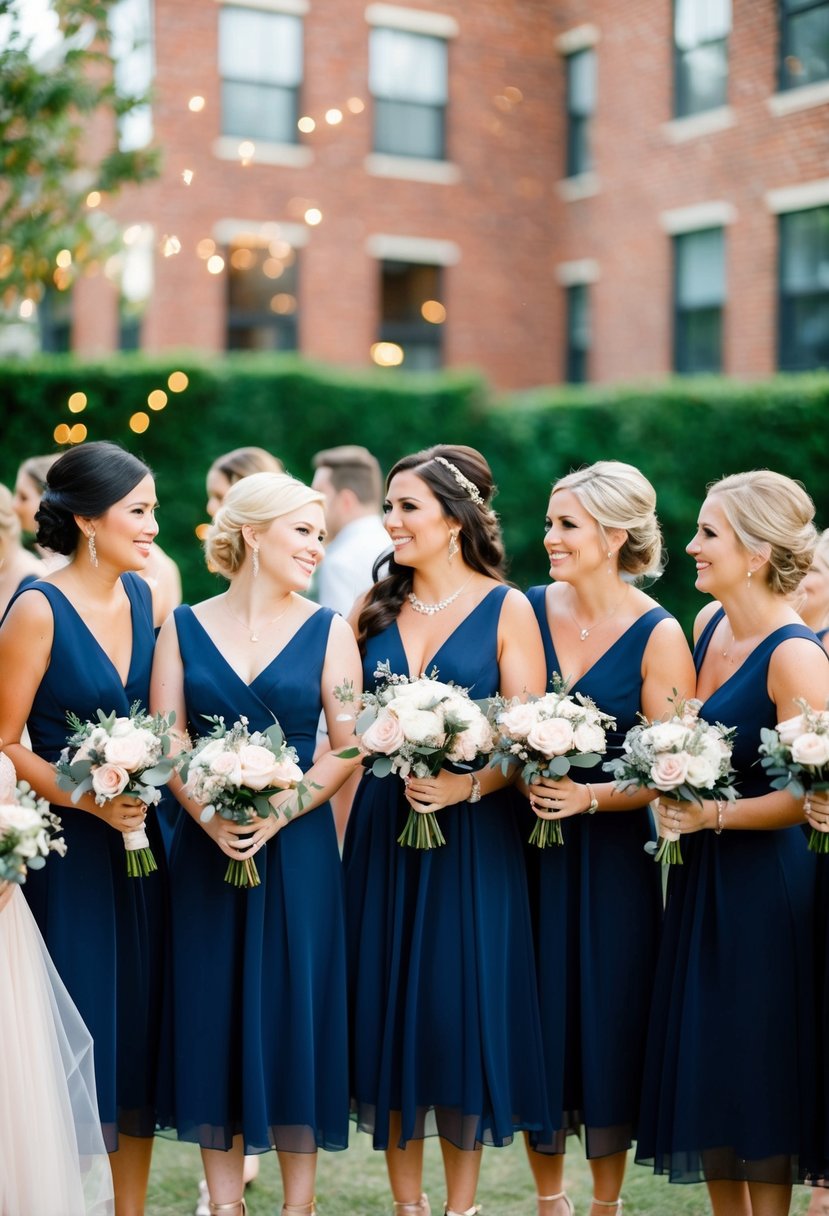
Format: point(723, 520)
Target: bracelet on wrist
point(720, 817)
point(475, 789)
point(593, 804)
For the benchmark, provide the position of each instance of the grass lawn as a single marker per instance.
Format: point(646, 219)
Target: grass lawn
point(354, 1184)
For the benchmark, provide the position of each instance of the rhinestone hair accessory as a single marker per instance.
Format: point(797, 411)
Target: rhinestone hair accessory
point(464, 482)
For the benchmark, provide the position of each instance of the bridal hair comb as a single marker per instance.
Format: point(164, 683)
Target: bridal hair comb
point(464, 482)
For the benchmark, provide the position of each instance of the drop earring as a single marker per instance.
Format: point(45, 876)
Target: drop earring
point(93, 552)
point(748, 580)
point(454, 547)
point(255, 563)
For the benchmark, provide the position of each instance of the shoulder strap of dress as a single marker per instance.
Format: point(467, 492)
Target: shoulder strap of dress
point(704, 639)
point(538, 599)
point(139, 593)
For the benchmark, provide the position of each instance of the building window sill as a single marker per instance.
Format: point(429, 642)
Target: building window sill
point(583, 185)
point(679, 130)
point(412, 169)
point(292, 156)
point(805, 98)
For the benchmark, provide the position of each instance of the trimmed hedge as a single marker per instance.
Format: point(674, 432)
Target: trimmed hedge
point(681, 433)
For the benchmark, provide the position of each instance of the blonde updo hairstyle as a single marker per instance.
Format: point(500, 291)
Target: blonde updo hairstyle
point(617, 495)
point(9, 523)
point(768, 509)
point(255, 501)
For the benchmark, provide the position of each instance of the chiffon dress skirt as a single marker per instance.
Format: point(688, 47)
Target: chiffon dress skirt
point(52, 1156)
point(731, 1067)
point(597, 910)
point(443, 1009)
point(259, 1006)
point(106, 932)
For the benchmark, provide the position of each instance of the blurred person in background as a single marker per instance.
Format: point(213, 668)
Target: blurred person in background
point(226, 470)
point(17, 565)
point(28, 491)
point(814, 605)
point(349, 478)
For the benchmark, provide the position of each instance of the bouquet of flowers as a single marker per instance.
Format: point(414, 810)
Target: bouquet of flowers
point(416, 727)
point(684, 756)
point(119, 756)
point(796, 756)
point(547, 736)
point(27, 827)
point(236, 772)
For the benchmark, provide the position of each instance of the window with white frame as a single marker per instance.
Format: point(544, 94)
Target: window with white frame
point(699, 300)
point(131, 27)
point(804, 290)
point(804, 42)
point(581, 106)
point(260, 63)
point(701, 30)
point(412, 314)
point(409, 84)
point(261, 295)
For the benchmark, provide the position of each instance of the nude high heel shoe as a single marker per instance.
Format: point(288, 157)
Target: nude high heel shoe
point(561, 1195)
point(420, 1208)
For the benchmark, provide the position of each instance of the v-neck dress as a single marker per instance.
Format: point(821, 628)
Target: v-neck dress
point(731, 1064)
point(597, 909)
point(105, 931)
point(258, 975)
point(443, 1008)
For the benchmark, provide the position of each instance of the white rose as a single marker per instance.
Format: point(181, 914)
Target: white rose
point(227, 766)
point(257, 765)
point(476, 740)
point(14, 818)
point(811, 749)
point(702, 771)
point(420, 725)
point(121, 727)
point(551, 737)
point(8, 779)
point(589, 738)
point(132, 751)
point(420, 695)
point(790, 729)
point(664, 736)
point(518, 721)
point(207, 754)
point(565, 707)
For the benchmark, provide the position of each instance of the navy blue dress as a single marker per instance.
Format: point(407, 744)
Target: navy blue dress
point(259, 1007)
point(443, 1009)
point(597, 905)
point(730, 1074)
point(106, 932)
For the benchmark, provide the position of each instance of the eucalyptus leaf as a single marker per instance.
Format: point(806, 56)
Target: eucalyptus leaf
point(382, 766)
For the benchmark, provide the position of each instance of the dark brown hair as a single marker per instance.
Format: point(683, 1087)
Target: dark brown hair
point(480, 534)
point(352, 468)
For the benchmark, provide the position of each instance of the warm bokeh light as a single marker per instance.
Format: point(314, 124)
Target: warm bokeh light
point(313, 216)
point(247, 151)
point(242, 259)
point(272, 268)
point(170, 246)
point(64, 259)
point(215, 264)
point(284, 304)
point(77, 433)
point(139, 422)
point(433, 311)
point(306, 124)
point(333, 116)
point(77, 403)
point(187, 176)
point(356, 105)
point(177, 382)
point(27, 309)
point(157, 399)
point(131, 234)
point(93, 199)
point(196, 104)
point(205, 247)
point(202, 530)
point(387, 354)
point(281, 249)
point(61, 278)
point(61, 433)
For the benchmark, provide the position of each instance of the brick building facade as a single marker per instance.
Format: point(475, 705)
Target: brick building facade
point(543, 189)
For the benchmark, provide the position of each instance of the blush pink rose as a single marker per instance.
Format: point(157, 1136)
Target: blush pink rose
point(790, 729)
point(552, 737)
point(589, 738)
point(257, 764)
point(670, 770)
point(811, 749)
point(227, 766)
point(130, 751)
point(385, 735)
point(286, 775)
point(518, 721)
point(109, 780)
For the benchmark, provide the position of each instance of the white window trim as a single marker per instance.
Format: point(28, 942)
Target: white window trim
point(694, 125)
point(806, 97)
point(698, 217)
point(293, 156)
point(580, 38)
point(227, 230)
point(297, 8)
point(412, 169)
point(422, 250)
point(583, 185)
point(414, 20)
point(798, 198)
point(580, 273)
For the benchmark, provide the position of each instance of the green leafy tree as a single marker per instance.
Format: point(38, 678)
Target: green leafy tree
point(53, 176)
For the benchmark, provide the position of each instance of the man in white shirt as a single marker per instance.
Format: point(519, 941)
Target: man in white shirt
point(349, 478)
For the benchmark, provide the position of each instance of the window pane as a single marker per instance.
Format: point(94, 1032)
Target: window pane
point(699, 341)
point(408, 67)
point(702, 79)
point(403, 129)
point(578, 333)
point(806, 47)
point(699, 21)
point(700, 269)
point(581, 83)
point(258, 111)
point(404, 289)
point(261, 296)
point(130, 23)
point(265, 47)
point(805, 250)
point(805, 333)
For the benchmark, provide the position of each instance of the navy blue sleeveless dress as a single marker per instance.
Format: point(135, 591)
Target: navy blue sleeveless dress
point(729, 1089)
point(106, 932)
point(443, 1009)
point(597, 905)
point(259, 1007)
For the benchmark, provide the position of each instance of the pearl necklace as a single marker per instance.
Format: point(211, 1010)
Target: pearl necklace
point(252, 633)
point(430, 609)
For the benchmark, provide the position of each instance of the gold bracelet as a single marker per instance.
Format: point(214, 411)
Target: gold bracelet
point(720, 814)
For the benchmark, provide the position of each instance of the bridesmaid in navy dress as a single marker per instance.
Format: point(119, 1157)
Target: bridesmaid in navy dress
point(259, 1005)
point(597, 900)
point(82, 639)
point(729, 1087)
point(17, 566)
point(444, 1021)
